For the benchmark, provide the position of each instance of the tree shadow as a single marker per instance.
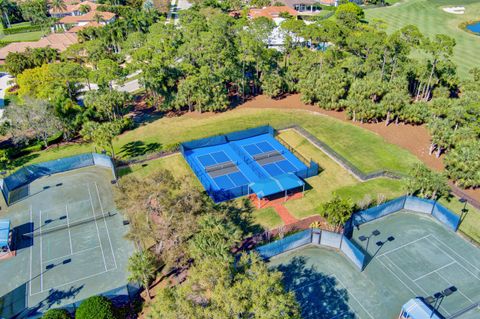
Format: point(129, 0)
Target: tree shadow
point(242, 216)
point(139, 148)
point(317, 293)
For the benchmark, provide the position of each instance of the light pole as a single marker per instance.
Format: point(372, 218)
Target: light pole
point(374, 233)
point(438, 297)
point(464, 201)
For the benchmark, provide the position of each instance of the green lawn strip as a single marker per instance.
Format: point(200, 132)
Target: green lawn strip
point(267, 218)
point(368, 151)
point(471, 224)
point(23, 37)
point(333, 178)
point(429, 17)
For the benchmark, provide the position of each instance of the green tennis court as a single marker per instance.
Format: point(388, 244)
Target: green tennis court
point(69, 241)
point(411, 255)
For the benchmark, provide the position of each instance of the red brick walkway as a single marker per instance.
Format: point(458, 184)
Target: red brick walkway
point(277, 204)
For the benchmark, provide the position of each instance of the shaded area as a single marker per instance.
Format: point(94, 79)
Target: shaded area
point(317, 293)
point(139, 148)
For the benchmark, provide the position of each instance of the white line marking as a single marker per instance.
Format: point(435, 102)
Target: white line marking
point(41, 253)
point(73, 281)
point(31, 254)
point(434, 271)
point(351, 294)
point(96, 225)
point(456, 253)
point(106, 226)
point(450, 284)
point(69, 255)
point(393, 273)
point(69, 233)
point(421, 288)
point(456, 260)
point(402, 246)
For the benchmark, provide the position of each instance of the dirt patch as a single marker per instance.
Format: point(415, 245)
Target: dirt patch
point(414, 138)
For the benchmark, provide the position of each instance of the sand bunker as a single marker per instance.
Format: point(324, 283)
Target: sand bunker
point(455, 10)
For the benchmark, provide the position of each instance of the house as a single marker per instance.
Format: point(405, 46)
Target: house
point(75, 23)
point(73, 9)
point(59, 41)
point(309, 6)
point(272, 12)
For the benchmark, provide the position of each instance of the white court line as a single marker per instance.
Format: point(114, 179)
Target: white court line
point(450, 284)
point(456, 253)
point(393, 273)
point(351, 294)
point(41, 253)
point(456, 260)
point(421, 288)
point(69, 255)
point(73, 281)
point(69, 233)
point(285, 159)
point(31, 254)
point(96, 225)
point(404, 245)
point(106, 226)
point(434, 271)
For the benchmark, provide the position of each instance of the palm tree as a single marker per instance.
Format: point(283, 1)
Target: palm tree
point(58, 5)
point(4, 8)
point(84, 8)
point(98, 18)
point(142, 266)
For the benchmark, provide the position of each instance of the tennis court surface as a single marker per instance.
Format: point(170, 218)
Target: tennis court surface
point(411, 255)
point(69, 241)
point(246, 162)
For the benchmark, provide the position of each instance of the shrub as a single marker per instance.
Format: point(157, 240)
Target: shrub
point(96, 307)
point(22, 29)
point(56, 314)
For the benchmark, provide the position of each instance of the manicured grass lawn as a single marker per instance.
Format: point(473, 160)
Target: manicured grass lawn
point(470, 225)
point(267, 218)
point(332, 179)
point(368, 151)
point(23, 37)
point(429, 17)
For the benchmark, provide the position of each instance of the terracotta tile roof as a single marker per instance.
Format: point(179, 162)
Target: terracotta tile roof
point(59, 41)
point(292, 3)
point(70, 8)
point(78, 28)
point(271, 12)
point(88, 17)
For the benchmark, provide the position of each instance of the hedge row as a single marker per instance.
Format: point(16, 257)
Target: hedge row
point(22, 29)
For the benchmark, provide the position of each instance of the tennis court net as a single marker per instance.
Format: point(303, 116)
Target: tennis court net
point(217, 167)
point(47, 230)
point(267, 155)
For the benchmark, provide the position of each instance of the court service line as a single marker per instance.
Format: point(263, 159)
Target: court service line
point(69, 233)
point(402, 246)
point(41, 253)
point(96, 225)
point(31, 254)
point(421, 288)
point(106, 226)
point(73, 254)
point(463, 258)
point(450, 284)
point(74, 281)
point(393, 273)
point(434, 271)
point(351, 293)
point(458, 262)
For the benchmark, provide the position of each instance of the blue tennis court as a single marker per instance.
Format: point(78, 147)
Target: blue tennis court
point(245, 162)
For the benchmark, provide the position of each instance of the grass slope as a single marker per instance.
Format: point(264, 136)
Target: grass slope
point(429, 17)
point(368, 151)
